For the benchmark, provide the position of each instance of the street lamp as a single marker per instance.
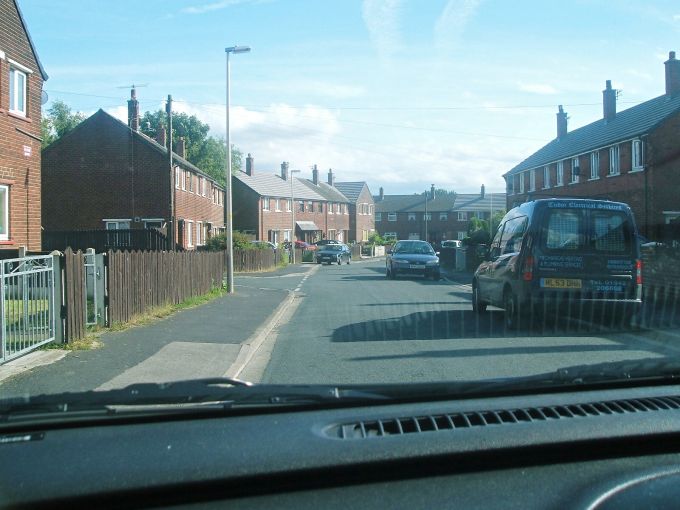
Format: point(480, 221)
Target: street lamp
point(228, 206)
point(292, 210)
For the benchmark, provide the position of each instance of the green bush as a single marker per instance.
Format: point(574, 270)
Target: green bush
point(241, 242)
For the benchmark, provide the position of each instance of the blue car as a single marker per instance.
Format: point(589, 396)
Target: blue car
point(413, 258)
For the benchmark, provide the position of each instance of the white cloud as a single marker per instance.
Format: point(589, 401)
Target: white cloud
point(451, 22)
point(215, 6)
point(382, 20)
point(119, 112)
point(316, 88)
point(537, 88)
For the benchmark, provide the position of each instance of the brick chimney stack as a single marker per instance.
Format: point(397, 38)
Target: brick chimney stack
point(181, 149)
point(133, 111)
point(284, 170)
point(331, 177)
point(381, 194)
point(162, 137)
point(609, 102)
point(432, 189)
point(672, 75)
point(561, 123)
point(250, 165)
point(482, 191)
point(315, 175)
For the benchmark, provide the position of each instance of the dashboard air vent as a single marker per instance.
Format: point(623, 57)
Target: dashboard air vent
point(434, 423)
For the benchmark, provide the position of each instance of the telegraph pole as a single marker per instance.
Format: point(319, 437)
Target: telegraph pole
point(172, 235)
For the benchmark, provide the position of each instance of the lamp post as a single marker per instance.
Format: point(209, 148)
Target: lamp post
point(292, 210)
point(227, 205)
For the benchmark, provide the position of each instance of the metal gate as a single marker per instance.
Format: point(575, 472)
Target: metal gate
point(27, 305)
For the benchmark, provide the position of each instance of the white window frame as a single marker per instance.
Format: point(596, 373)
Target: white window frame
point(575, 163)
point(146, 222)
point(462, 235)
point(414, 236)
point(184, 180)
point(443, 216)
point(378, 216)
point(345, 208)
point(371, 209)
point(521, 182)
point(15, 71)
point(411, 216)
point(614, 160)
point(265, 203)
point(5, 218)
point(427, 216)
point(546, 177)
point(177, 177)
point(532, 180)
point(637, 155)
point(286, 235)
point(199, 233)
point(117, 221)
point(329, 208)
point(204, 183)
point(559, 179)
point(462, 216)
point(594, 165)
point(390, 235)
point(277, 205)
point(392, 216)
point(191, 181)
point(189, 229)
point(289, 205)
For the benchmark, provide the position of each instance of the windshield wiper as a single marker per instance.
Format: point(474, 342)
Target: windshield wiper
point(656, 369)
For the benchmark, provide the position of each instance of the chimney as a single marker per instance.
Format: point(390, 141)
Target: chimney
point(672, 75)
point(482, 192)
point(609, 102)
point(315, 175)
point(161, 137)
point(432, 192)
point(331, 177)
point(181, 149)
point(561, 123)
point(381, 194)
point(284, 170)
point(250, 165)
point(133, 111)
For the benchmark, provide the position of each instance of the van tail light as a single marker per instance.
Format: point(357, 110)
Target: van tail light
point(528, 270)
point(638, 272)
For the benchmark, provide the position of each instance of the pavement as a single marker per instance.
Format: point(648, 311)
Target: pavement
point(206, 341)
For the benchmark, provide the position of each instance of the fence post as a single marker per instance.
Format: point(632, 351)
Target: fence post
point(57, 297)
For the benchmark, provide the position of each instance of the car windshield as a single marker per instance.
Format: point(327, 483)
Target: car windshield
point(151, 151)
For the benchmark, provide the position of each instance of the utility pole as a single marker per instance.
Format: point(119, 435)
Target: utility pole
point(171, 224)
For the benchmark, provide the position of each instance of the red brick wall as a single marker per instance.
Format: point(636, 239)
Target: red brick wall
point(359, 222)
point(663, 179)
point(195, 207)
point(18, 135)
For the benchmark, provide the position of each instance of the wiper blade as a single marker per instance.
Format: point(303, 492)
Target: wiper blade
point(644, 368)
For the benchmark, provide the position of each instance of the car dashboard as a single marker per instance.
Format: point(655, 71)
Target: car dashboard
point(613, 448)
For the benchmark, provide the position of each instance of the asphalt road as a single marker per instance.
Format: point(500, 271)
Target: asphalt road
point(353, 325)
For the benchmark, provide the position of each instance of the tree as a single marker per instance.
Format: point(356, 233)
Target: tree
point(206, 152)
point(58, 122)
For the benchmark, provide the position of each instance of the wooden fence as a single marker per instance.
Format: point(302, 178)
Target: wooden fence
point(139, 281)
point(102, 240)
point(254, 260)
point(74, 295)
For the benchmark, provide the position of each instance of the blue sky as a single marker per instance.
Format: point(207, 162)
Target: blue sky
point(400, 93)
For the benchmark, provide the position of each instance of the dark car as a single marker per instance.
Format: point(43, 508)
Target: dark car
point(413, 258)
point(333, 253)
point(324, 242)
point(564, 255)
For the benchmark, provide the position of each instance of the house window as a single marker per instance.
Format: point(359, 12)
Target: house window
point(414, 236)
point(546, 177)
point(4, 213)
point(153, 223)
point(521, 182)
point(189, 229)
point(199, 232)
point(200, 186)
point(301, 206)
point(462, 216)
point(532, 180)
point(321, 207)
point(411, 216)
point(177, 177)
point(390, 235)
point(638, 155)
point(462, 235)
point(560, 173)
point(614, 163)
point(265, 203)
point(204, 186)
point(286, 235)
point(17, 91)
point(277, 206)
point(371, 209)
point(117, 224)
point(310, 206)
point(191, 182)
point(509, 185)
point(184, 180)
point(345, 208)
point(427, 216)
point(595, 165)
point(289, 206)
point(378, 216)
point(575, 170)
point(392, 216)
point(443, 216)
point(364, 235)
point(331, 234)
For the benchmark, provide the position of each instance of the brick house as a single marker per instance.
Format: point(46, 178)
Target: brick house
point(21, 81)
point(108, 175)
point(361, 209)
point(262, 206)
point(632, 156)
point(445, 217)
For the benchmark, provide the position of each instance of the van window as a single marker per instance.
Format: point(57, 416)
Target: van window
point(565, 230)
point(611, 232)
point(513, 232)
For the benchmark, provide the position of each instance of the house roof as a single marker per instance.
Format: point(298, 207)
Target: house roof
point(325, 190)
point(441, 203)
point(270, 185)
point(30, 41)
point(307, 226)
point(474, 202)
point(351, 190)
point(627, 124)
point(395, 203)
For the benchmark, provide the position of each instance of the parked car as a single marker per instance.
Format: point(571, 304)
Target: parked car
point(561, 254)
point(333, 253)
point(264, 244)
point(414, 258)
point(304, 245)
point(324, 242)
point(452, 244)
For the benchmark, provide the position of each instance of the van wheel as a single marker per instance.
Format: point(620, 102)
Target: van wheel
point(478, 306)
point(511, 310)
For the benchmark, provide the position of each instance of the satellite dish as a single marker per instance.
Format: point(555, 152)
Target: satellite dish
point(43, 97)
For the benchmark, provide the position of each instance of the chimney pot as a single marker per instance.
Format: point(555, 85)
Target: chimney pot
point(284, 170)
point(315, 175)
point(381, 193)
point(133, 111)
point(331, 177)
point(250, 164)
point(672, 75)
point(561, 123)
point(483, 191)
point(162, 137)
point(609, 102)
point(180, 150)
